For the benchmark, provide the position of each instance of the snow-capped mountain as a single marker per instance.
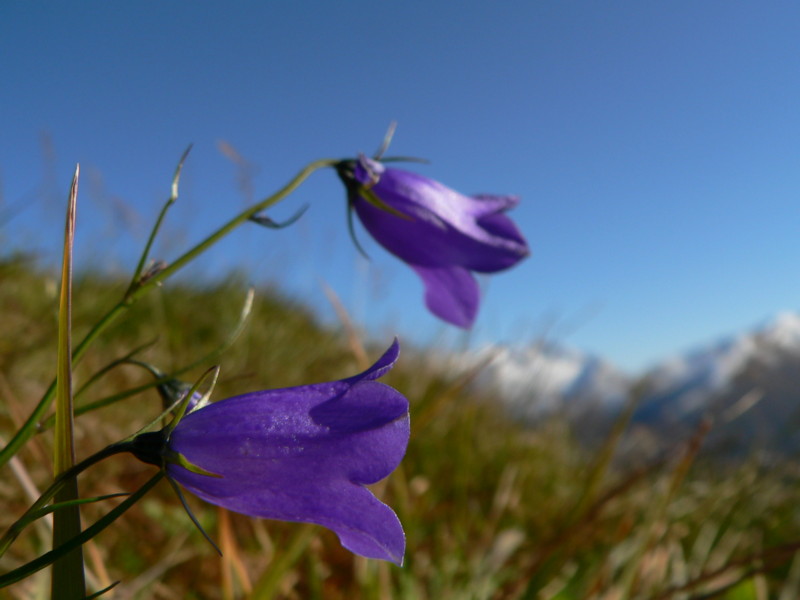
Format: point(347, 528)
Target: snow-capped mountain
point(712, 367)
point(546, 377)
point(683, 384)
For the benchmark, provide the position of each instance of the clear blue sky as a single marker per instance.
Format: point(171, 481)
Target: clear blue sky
point(656, 148)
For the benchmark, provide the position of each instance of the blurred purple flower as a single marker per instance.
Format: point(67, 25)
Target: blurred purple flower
point(304, 454)
point(441, 234)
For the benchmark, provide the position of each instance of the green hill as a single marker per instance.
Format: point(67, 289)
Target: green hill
point(491, 509)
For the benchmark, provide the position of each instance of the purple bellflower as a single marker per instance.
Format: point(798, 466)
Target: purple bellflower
point(442, 234)
point(302, 454)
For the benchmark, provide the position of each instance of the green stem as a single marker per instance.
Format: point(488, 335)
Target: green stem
point(173, 197)
point(30, 426)
point(49, 558)
point(70, 474)
point(233, 224)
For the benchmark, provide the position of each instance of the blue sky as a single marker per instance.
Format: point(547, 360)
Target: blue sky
point(655, 146)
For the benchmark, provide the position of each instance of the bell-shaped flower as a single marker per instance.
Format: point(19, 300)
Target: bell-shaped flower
point(442, 234)
point(302, 454)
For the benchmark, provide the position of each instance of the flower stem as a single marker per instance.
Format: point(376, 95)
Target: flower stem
point(141, 287)
point(220, 233)
point(49, 557)
point(70, 474)
point(173, 197)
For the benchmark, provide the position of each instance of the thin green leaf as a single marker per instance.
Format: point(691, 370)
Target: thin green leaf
point(51, 508)
point(64, 451)
point(387, 139)
point(213, 373)
point(189, 512)
point(180, 459)
point(352, 231)
point(103, 591)
point(173, 197)
point(111, 366)
point(68, 580)
point(265, 221)
point(50, 557)
point(370, 196)
point(16, 528)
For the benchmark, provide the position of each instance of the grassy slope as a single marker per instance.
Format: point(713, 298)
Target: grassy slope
point(491, 510)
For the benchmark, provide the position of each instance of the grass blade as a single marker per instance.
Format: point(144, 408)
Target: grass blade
point(68, 581)
point(68, 546)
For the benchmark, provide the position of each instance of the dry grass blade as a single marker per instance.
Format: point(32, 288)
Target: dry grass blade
point(68, 581)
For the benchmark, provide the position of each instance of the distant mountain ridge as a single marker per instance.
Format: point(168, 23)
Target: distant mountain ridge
point(711, 368)
point(757, 371)
point(687, 383)
point(546, 377)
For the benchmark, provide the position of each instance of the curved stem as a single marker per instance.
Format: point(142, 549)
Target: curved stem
point(16, 528)
point(242, 217)
point(173, 197)
point(49, 557)
point(141, 287)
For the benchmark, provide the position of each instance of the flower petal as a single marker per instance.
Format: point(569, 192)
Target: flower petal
point(499, 225)
point(492, 203)
point(439, 232)
point(382, 366)
point(304, 454)
point(443, 228)
point(452, 294)
point(363, 524)
point(427, 240)
point(316, 480)
point(298, 424)
point(351, 412)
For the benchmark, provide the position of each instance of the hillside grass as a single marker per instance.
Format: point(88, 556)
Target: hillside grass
point(491, 509)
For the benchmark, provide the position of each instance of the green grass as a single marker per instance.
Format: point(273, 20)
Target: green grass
point(491, 509)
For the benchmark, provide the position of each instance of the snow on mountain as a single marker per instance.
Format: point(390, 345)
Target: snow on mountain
point(782, 332)
point(538, 379)
point(687, 380)
point(545, 377)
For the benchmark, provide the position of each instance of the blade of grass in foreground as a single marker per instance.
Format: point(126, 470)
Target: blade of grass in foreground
point(68, 579)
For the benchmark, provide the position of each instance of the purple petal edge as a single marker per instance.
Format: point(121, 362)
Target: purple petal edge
point(381, 366)
point(451, 293)
point(304, 454)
